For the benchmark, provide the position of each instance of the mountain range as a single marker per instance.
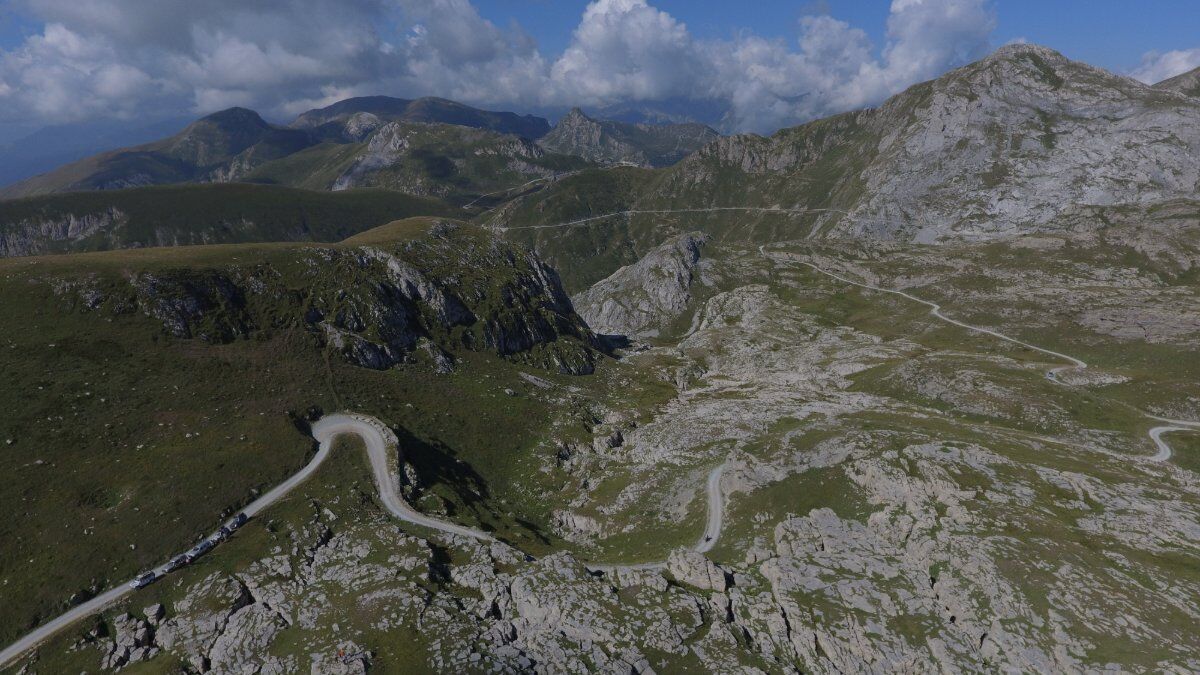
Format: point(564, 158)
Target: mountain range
point(408, 386)
point(427, 146)
point(1007, 145)
point(1010, 144)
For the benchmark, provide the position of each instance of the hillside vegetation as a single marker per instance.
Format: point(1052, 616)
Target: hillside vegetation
point(151, 392)
point(197, 214)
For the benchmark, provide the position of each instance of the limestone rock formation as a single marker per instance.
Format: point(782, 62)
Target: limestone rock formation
point(642, 299)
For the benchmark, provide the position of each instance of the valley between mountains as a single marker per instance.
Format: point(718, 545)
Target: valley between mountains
point(907, 389)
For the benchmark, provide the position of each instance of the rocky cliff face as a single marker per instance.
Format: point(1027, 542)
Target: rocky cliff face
point(642, 299)
point(1010, 143)
point(609, 142)
point(442, 160)
point(42, 235)
point(377, 306)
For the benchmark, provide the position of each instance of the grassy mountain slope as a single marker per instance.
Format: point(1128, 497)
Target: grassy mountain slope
point(218, 147)
point(197, 214)
point(231, 144)
point(1186, 83)
point(898, 489)
point(151, 392)
point(454, 162)
point(333, 118)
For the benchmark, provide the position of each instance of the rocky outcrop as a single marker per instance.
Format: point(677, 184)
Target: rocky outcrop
point(205, 304)
point(421, 159)
point(132, 641)
point(358, 126)
point(574, 527)
point(610, 142)
point(377, 306)
point(692, 568)
point(642, 299)
point(34, 236)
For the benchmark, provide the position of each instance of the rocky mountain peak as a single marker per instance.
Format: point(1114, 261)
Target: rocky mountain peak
point(612, 142)
point(577, 122)
point(576, 116)
point(1024, 50)
point(233, 118)
point(217, 137)
point(1188, 83)
point(1039, 75)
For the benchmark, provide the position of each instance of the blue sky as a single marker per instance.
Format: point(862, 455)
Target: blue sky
point(1114, 34)
point(754, 65)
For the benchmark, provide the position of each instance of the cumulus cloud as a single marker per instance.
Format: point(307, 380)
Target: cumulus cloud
point(1156, 66)
point(122, 57)
point(626, 49)
point(61, 74)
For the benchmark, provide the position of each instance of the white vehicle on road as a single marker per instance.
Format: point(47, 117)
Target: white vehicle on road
point(144, 580)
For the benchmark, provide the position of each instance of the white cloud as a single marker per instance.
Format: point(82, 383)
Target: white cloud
point(60, 74)
point(625, 49)
point(112, 57)
point(1156, 67)
point(927, 36)
point(769, 85)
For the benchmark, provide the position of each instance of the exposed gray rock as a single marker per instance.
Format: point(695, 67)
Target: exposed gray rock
point(33, 236)
point(694, 569)
point(154, 613)
point(1187, 83)
point(132, 641)
point(1005, 145)
point(642, 299)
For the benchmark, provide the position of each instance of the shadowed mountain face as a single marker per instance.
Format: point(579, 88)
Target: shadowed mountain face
point(611, 142)
point(218, 148)
point(54, 146)
point(176, 215)
point(332, 120)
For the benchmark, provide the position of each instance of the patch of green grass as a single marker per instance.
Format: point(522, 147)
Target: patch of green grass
point(315, 168)
point(1185, 449)
point(128, 444)
point(222, 213)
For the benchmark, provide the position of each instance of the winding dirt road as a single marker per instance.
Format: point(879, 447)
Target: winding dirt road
point(712, 528)
point(661, 212)
point(382, 446)
point(380, 442)
point(1164, 450)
